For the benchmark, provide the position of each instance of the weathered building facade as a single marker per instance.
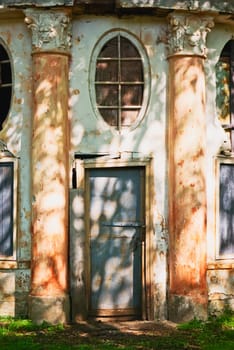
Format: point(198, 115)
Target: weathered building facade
point(117, 153)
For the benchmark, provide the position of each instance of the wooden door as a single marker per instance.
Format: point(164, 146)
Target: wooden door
point(116, 223)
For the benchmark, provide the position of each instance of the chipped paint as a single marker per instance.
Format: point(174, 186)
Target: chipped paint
point(221, 287)
point(16, 277)
point(187, 269)
point(193, 170)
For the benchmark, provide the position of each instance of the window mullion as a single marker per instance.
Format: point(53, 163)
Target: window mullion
point(119, 82)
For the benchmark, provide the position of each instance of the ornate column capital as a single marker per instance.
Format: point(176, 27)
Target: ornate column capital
point(187, 34)
point(51, 30)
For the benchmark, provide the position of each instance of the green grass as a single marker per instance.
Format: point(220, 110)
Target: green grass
point(215, 334)
point(21, 334)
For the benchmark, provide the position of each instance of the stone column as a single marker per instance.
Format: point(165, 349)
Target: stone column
point(49, 299)
point(187, 166)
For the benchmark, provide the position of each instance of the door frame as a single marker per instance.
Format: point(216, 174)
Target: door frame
point(147, 252)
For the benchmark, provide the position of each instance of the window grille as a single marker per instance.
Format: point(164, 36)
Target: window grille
point(120, 78)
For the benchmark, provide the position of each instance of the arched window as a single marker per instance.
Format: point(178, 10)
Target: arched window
point(120, 75)
point(5, 84)
point(225, 90)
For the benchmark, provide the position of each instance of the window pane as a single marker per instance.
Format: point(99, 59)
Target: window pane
point(3, 53)
point(131, 71)
point(107, 71)
point(119, 82)
point(131, 95)
point(6, 73)
point(5, 78)
point(110, 49)
point(127, 49)
point(129, 116)
point(223, 93)
point(107, 95)
point(5, 95)
point(226, 209)
point(6, 209)
point(110, 116)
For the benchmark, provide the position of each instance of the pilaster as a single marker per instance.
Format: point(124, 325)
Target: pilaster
point(50, 51)
point(51, 30)
point(187, 166)
point(187, 34)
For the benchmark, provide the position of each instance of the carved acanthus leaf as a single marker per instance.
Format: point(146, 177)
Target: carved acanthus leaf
point(51, 30)
point(187, 34)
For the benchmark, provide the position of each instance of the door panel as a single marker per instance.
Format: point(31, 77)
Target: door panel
point(116, 225)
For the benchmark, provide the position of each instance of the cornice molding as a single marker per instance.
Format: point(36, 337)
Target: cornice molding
point(187, 34)
point(51, 30)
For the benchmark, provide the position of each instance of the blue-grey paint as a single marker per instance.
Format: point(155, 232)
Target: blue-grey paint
point(6, 209)
point(116, 240)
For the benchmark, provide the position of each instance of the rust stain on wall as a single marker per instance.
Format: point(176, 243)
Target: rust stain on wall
point(50, 180)
point(187, 222)
point(7, 36)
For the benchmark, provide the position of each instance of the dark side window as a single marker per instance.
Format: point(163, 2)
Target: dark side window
point(226, 209)
point(5, 84)
point(225, 90)
point(6, 208)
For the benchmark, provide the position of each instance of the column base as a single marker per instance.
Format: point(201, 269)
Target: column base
point(184, 308)
point(54, 310)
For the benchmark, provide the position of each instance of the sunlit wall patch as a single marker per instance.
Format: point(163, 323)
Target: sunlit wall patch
point(119, 80)
point(5, 82)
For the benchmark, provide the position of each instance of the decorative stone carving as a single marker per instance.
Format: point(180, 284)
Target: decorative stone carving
point(4, 151)
point(187, 34)
point(51, 30)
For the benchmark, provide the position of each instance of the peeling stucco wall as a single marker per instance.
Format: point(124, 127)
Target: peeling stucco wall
point(89, 134)
point(16, 133)
point(221, 288)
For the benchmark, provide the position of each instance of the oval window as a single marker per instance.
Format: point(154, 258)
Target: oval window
point(120, 73)
point(5, 84)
